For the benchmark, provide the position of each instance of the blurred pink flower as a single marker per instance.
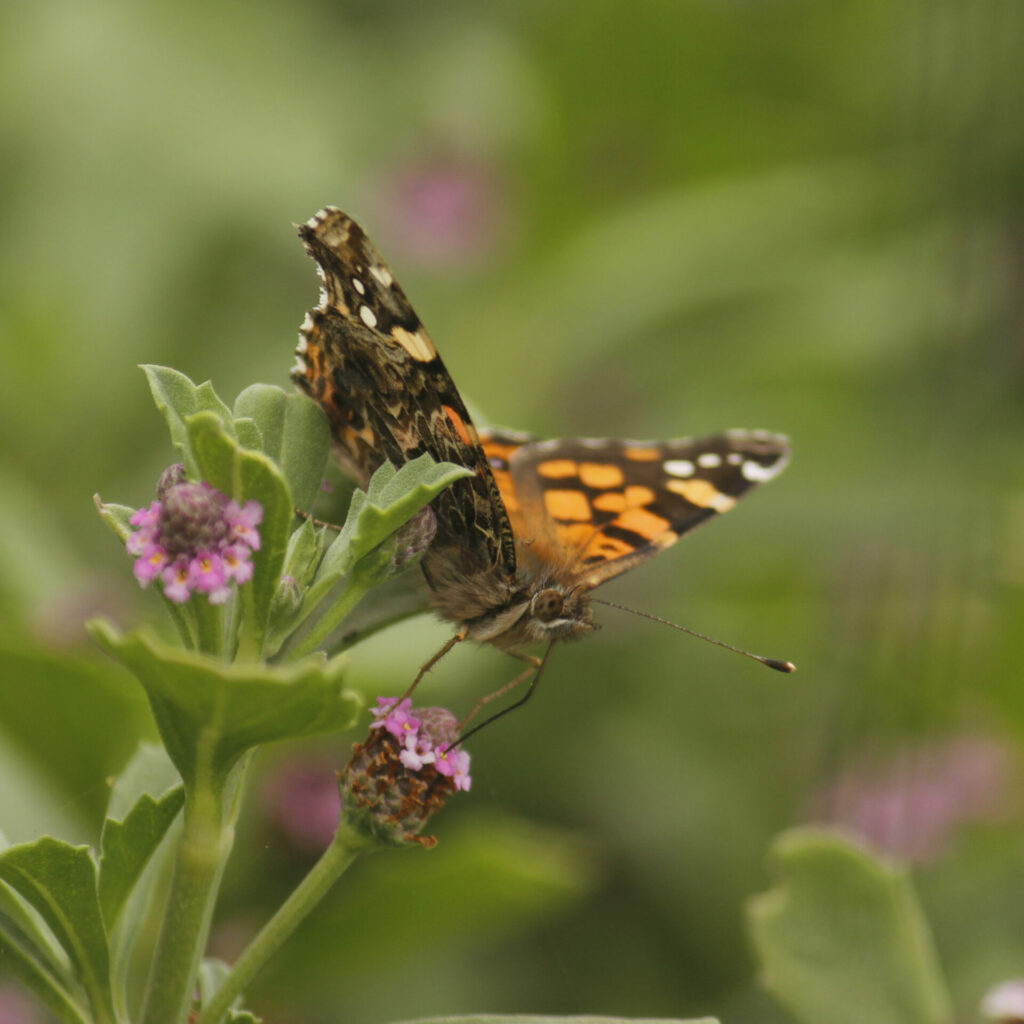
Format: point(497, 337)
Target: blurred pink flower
point(442, 211)
point(911, 804)
point(1005, 1002)
point(301, 800)
point(18, 1008)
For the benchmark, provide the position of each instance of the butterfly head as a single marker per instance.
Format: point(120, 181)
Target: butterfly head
point(557, 613)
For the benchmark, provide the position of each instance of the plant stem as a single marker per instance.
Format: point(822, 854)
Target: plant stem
point(202, 854)
point(344, 849)
point(330, 619)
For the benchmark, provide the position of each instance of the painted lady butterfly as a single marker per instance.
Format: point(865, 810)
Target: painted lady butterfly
point(522, 543)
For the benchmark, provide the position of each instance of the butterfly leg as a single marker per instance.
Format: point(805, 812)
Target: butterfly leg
point(536, 667)
point(457, 638)
point(534, 663)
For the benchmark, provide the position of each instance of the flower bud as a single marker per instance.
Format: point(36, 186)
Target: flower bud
point(192, 519)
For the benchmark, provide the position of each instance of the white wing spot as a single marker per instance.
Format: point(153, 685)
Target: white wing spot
point(709, 460)
point(758, 473)
point(383, 275)
point(734, 458)
point(368, 316)
point(359, 286)
point(300, 368)
point(678, 467)
point(302, 345)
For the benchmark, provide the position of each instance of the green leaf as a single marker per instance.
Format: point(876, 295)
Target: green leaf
point(295, 435)
point(59, 881)
point(212, 973)
point(20, 959)
point(248, 433)
point(116, 517)
point(127, 846)
point(305, 549)
point(248, 475)
point(177, 398)
point(841, 939)
point(72, 720)
point(18, 921)
point(243, 1017)
point(392, 499)
point(209, 712)
point(149, 770)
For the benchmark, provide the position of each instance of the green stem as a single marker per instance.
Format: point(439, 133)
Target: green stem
point(344, 849)
point(210, 623)
point(202, 854)
point(330, 620)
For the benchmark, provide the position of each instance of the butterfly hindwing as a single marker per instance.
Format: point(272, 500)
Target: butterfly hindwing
point(609, 504)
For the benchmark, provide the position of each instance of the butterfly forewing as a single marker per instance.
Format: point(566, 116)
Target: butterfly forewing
point(366, 358)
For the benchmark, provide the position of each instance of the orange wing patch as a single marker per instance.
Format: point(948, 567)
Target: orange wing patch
point(467, 435)
point(601, 475)
point(568, 505)
point(558, 469)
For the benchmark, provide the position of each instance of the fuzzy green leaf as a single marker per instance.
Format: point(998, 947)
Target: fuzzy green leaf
point(841, 939)
point(392, 499)
point(116, 517)
point(177, 398)
point(128, 844)
point(209, 712)
point(20, 959)
point(246, 475)
point(248, 433)
point(59, 881)
point(295, 435)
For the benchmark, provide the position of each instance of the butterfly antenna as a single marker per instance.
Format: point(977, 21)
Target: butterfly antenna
point(536, 669)
point(775, 663)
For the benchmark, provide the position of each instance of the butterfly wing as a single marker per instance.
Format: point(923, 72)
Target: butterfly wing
point(366, 358)
point(598, 507)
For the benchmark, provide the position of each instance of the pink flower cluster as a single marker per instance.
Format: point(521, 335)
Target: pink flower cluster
point(202, 552)
point(423, 738)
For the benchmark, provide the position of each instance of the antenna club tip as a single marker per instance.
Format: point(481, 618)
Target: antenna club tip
point(780, 666)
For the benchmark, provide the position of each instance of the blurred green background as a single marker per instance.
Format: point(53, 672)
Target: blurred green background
point(649, 219)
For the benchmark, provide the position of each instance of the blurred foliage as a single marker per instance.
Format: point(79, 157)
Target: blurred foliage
point(654, 219)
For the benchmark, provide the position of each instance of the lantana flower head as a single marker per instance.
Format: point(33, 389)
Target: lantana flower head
point(194, 539)
point(404, 772)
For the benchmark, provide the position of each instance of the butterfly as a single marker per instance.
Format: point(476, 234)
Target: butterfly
point(522, 543)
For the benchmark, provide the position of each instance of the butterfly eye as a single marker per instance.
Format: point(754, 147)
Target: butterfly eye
point(547, 605)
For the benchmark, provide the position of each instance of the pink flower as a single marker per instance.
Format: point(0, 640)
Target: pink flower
point(237, 563)
point(194, 540)
point(383, 709)
point(243, 522)
point(151, 562)
point(444, 210)
point(418, 752)
point(912, 804)
point(176, 579)
point(401, 724)
point(454, 765)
